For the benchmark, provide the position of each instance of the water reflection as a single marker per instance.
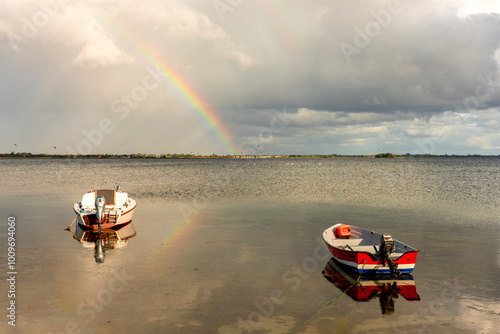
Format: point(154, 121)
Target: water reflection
point(384, 288)
point(102, 241)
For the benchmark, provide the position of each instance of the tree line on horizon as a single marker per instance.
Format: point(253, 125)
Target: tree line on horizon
point(215, 156)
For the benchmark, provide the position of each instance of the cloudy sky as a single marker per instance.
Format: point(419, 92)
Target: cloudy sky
point(260, 76)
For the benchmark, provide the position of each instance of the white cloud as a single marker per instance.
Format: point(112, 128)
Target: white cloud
point(483, 142)
point(244, 60)
point(394, 141)
point(4, 27)
point(354, 142)
point(465, 8)
point(97, 49)
point(180, 21)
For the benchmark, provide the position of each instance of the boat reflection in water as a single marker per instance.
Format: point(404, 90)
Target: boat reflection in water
point(103, 240)
point(384, 287)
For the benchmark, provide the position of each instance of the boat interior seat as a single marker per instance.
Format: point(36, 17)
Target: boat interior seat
point(369, 249)
point(121, 198)
point(88, 200)
point(351, 241)
point(361, 248)
point(109, 194)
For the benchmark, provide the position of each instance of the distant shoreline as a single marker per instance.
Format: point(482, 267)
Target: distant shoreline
point(25, 155)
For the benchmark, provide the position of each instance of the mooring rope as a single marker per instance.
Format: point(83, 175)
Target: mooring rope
point(355, 282)
point(74, 220)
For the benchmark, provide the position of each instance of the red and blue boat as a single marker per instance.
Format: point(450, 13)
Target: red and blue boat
point(369, 252)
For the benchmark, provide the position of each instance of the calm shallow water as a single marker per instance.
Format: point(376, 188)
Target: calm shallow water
point(224, 246)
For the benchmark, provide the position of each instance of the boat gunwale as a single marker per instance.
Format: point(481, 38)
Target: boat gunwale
point(133, 204)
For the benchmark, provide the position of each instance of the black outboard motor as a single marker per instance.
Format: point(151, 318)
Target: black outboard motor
point(385, 248)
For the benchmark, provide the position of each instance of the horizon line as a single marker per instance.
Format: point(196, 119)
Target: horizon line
point(169, 155)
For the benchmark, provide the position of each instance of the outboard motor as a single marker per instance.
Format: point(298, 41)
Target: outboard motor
point(100, 203)
point(385, 248)
point(99, 250)
point(386, 244)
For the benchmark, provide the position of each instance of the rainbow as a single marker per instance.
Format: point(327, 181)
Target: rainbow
point(203, 110)
point(183, 228)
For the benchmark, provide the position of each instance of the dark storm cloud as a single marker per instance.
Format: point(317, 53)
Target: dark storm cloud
point(353, 73)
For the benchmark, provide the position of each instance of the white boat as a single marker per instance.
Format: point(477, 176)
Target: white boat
point(369, 252)
point(104, 210)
